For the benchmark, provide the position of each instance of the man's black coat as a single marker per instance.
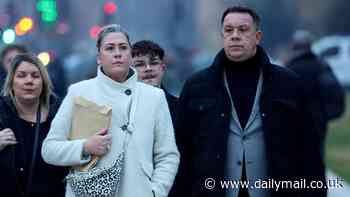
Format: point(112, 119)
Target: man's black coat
point(289, 126)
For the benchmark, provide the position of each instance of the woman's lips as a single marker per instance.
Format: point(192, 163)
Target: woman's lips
point(117, 63)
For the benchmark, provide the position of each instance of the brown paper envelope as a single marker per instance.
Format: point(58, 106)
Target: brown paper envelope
point(88, 118)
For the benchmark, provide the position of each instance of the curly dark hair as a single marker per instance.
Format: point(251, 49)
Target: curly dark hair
point(147, 47)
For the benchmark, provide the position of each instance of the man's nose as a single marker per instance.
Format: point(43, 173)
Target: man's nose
point(235, 34)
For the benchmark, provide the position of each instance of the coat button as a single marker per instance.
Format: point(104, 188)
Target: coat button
point(21, 169)
point(127, 92)
point(263, 115)
point(222, 115)
point(218, 156)
point(201, 107)
point(124, 127)
point(239, 163)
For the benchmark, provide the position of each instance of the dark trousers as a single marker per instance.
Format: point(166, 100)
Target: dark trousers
point(243, 192)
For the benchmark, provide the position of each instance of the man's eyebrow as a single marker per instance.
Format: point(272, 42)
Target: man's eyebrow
point(241, 25)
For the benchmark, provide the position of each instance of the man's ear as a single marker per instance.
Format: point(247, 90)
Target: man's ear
point(258, 36)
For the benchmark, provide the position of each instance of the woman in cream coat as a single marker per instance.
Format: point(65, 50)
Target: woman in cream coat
point(152, 157)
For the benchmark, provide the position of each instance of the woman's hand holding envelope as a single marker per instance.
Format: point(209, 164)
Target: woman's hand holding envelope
point(98, 144)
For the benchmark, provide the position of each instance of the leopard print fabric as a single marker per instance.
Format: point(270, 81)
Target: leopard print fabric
point(97, 182)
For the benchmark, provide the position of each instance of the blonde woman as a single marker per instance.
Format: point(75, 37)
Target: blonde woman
point(27, 108)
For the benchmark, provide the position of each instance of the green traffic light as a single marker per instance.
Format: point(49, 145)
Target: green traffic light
point(46, 5)
point(49, 16)
point(48, 10)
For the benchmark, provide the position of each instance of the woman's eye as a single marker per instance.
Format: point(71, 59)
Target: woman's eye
point(36, 76)
point(123, 47)
point(21, 75)
point(109, 48)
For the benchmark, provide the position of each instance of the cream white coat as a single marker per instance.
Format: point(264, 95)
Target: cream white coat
point(152, 157)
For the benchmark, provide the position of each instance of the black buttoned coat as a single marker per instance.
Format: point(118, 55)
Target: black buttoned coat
point(289, 126)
